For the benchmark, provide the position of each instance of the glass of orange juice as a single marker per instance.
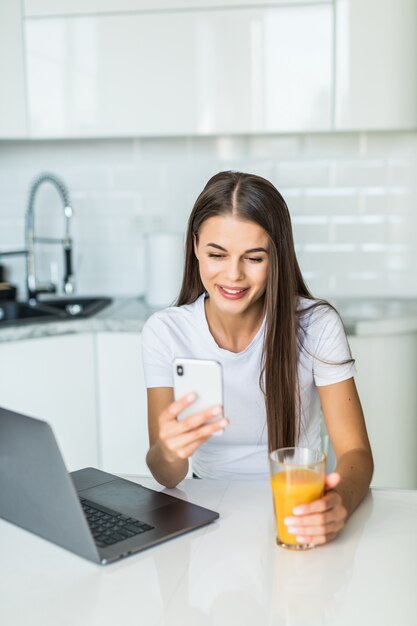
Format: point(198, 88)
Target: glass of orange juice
point(297, 477)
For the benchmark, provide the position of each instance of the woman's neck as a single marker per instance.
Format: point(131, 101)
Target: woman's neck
point(234, 332)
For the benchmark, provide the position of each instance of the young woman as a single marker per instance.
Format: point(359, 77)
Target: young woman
point(244, 303)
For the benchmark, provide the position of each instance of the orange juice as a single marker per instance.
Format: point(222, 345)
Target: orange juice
point(291, 488)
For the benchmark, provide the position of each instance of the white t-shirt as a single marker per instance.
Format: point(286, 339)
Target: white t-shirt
point(242, 450)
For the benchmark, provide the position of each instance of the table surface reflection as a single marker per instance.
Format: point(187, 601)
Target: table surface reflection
point(230, 572)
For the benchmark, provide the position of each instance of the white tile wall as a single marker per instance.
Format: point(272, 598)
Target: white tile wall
point(353, 199)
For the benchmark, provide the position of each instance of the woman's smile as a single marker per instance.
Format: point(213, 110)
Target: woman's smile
point(232, 293)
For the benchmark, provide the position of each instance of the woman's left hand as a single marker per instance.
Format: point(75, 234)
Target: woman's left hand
point(319, 521)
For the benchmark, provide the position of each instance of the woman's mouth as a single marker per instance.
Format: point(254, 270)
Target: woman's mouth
point(232, 293)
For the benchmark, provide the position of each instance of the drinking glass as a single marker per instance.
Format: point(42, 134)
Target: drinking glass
point(297, 477)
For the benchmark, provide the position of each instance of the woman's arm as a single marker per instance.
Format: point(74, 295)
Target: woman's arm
point(345, 425)
point(172, 442)
point(322, 520)
point(165, 472)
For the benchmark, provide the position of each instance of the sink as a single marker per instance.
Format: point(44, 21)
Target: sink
point(12, 312)
point(76, 306)
point(51, 309)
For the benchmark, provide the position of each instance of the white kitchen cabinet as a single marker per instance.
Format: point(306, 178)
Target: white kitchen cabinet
point(375, 64)
point(122, 403)
point(386, 381)
point(12, 82)
point(37, 8)
point(52, 378)
point(234, 70)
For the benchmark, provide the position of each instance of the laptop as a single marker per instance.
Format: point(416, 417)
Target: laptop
point(94, 514)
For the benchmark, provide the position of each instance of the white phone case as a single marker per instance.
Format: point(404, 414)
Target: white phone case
point(201, 376)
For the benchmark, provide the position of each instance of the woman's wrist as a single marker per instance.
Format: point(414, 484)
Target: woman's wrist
point(355, 469)
point(167, 472)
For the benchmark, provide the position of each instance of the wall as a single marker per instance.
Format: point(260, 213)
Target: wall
point(352, 198)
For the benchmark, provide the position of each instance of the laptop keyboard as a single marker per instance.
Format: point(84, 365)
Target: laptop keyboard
point(109, 526)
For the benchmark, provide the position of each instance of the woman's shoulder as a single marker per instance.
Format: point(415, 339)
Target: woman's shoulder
point(174, 316)
point(315, 316)
point(314, 308)
point(323, 340)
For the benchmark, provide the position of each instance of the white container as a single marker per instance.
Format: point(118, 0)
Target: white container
point(164, 268)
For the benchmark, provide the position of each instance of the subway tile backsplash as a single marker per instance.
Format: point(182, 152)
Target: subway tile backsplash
point(352, 197)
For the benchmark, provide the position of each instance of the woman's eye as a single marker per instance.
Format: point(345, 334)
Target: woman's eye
point(213, 255)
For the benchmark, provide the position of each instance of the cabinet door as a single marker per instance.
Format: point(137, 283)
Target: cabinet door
point(12, 88)
point(122, 403)
point(53, 379)
point(386, 381)
point(201, 72)
point(376, 64)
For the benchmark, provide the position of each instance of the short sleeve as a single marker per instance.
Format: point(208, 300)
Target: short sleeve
point(332, 359)
point(157, 353)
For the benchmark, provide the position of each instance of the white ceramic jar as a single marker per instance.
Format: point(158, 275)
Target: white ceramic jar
point(164, 267)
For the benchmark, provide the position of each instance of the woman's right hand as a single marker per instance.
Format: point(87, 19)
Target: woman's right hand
point(178, 439)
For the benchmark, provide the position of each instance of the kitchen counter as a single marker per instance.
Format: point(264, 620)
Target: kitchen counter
point(230, 572)
point(377, 316)
point(122, 315)
point(364, 317)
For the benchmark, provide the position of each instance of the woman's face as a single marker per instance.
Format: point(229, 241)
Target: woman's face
point(233, 261)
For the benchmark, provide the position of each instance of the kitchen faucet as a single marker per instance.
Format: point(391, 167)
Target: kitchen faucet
point(34, 288)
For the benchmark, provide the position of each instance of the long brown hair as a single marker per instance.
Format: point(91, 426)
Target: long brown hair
point(255, 199)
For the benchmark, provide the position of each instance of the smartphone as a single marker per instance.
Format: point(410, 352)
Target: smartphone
point(204, 378)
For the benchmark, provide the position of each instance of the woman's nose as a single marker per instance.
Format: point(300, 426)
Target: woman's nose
point(234, 271)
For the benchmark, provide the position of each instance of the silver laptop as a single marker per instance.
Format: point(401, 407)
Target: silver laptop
point(92, 513)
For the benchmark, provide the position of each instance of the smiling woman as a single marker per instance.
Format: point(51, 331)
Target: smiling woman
point(244, 303)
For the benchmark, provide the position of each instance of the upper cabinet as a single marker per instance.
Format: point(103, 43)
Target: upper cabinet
point(375, 64)
point(12, 82)
point(184, 72)
point(38, 8)
point(103, 68)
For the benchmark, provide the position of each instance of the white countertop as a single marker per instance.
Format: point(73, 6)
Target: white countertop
point(377, 316)
point(361, 316)
point(230, 572)
point(122, 315)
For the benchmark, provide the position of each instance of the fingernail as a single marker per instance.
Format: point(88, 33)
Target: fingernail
point(298, 510)
point(223, 422)
point(289, 520)
point(292, 530)
point(191, 397)
point(301, 539)
point(217, 410)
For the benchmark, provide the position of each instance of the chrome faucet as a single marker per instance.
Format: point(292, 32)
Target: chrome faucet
point(34, 288)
